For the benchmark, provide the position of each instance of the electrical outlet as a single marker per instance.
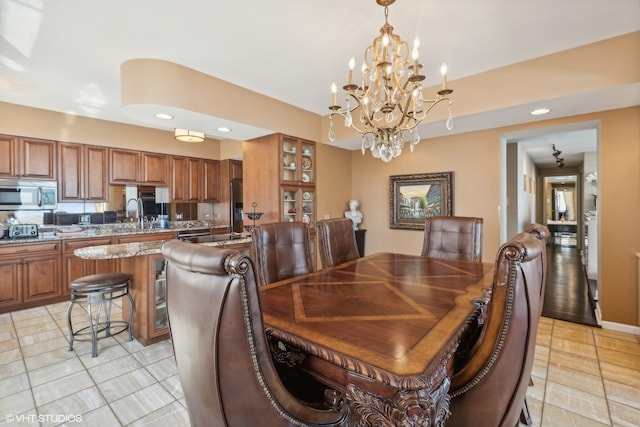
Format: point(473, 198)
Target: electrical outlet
point(326, 217)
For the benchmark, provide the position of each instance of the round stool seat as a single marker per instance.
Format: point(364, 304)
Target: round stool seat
point(96, 293)
point(98, 282)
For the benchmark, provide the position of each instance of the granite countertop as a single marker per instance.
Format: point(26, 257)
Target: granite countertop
point(108, 230)
point(126, 250)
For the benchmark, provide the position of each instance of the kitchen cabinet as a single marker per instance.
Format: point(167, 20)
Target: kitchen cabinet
point(135, 167)
point(83, 172)
point(211, 173)
point(74, 267)
point(30, 275)
point(155, 168)
point(186, 180)
point(298, 204)
point(27, 158)
point(282, 178)
point(125, 166)
point(149, 318)
point(148, 289)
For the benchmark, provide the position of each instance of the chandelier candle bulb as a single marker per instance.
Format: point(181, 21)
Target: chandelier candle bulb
point(334, 89)
point(443, 71)
point(352, 65)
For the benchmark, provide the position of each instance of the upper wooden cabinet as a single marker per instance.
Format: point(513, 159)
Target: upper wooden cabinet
point(27, 158)
point(125, 166)
point(235, 170)
point(155, 168)
point(83, 172)
point(280, 178)
point(211, 172)
point(186, 179)
point(135, 167)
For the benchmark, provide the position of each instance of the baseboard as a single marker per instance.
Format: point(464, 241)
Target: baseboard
point(621, 327)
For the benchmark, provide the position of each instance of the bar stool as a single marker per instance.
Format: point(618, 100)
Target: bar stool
point(101, 290)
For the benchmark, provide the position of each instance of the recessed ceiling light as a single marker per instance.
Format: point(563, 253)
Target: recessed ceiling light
point(164, 116)
point(223, 129)
point(540, 111)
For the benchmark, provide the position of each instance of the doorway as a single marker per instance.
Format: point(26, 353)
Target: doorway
point(562, 209)
point(561, 203)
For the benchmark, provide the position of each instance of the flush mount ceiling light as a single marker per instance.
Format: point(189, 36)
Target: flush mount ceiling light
point(389, 98)
point(540, 111)
point(223, 129)
point(186, 135)
point(164, 116)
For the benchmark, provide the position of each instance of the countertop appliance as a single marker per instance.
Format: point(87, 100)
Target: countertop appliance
point(23, 231)
point(18, 194)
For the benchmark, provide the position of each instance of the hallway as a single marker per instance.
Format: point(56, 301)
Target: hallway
point(566, 294)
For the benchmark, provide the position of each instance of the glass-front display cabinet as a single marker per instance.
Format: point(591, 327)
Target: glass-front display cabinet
point(160, 294)
point(298, 161)
point(299, 204)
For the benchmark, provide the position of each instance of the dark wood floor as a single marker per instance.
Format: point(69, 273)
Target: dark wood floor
point(567, 292)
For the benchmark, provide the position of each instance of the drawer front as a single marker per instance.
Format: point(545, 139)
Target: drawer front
point(72, 245)
point(20, 249)
point(148, 237)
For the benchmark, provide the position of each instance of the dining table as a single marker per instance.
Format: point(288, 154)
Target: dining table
point(381, 332)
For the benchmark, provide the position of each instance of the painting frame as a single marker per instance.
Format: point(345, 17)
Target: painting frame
point(437, 200)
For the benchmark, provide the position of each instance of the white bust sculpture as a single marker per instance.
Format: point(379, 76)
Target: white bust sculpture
point(354, 214)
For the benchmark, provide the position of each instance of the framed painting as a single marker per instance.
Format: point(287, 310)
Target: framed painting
point(412, 198)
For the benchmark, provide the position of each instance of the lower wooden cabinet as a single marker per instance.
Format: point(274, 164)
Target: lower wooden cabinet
point(148, 289)
point(74, 267)
point(31, 275)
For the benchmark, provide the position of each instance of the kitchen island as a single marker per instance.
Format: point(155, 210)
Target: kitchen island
point(144, 262)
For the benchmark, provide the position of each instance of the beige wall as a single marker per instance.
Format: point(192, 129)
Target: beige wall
point(475, 160)
point(334, 181)
point(32, 122)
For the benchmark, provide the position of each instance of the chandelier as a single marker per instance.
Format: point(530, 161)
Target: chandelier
point(389, 99)
point(556, 154)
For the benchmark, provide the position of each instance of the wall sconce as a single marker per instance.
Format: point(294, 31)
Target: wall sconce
point(186, 135)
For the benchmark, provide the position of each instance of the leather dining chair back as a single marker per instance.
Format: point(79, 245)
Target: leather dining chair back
point(222, 355)
point(489, 385)
point(281, 250)
point(453, 237)
point(336, 241)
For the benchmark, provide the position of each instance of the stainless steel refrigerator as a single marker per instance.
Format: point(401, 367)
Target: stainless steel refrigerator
point(235, 204)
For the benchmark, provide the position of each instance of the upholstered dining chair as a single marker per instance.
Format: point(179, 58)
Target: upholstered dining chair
point(489, 385)
point(453, 237)
point(222, 355)
point(281, 250)
point(336, 241)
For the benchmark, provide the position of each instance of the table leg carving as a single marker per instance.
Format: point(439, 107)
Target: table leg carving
point(284, 353)
point(419, 407)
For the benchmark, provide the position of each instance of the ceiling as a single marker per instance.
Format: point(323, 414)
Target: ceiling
point(65, 55)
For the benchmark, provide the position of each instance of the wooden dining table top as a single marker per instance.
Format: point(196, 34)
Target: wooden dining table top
point(385, 316)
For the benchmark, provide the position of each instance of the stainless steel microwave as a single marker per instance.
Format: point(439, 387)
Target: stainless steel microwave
point(16, 194)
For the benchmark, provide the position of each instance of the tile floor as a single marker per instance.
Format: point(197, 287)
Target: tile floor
point(582, 376)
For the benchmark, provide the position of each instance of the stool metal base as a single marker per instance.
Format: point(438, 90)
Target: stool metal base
point(100, 324)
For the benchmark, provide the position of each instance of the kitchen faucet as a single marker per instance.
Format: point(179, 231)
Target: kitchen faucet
point(140, 213)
